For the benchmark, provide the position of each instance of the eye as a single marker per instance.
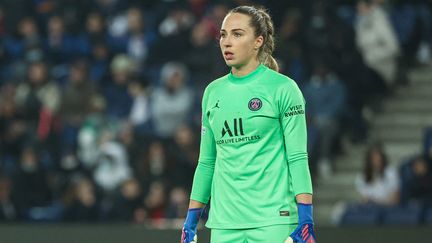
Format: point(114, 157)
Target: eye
point(237, 34)
point(222, 35)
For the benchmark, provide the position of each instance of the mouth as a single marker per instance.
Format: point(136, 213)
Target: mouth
point(228, 55)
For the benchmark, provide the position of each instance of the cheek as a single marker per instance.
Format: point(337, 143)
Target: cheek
point(246, 48)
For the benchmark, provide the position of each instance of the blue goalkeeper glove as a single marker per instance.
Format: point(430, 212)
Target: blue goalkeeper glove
point(190, 225)
point(304, 233)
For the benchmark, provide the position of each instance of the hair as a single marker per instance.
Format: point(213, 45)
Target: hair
point(263, 26)
point(368, 169)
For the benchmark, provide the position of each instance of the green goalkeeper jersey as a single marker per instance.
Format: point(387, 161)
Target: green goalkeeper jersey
point(253, 158)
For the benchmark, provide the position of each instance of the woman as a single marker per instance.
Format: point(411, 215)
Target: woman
point(379, 183)
point(253, 160)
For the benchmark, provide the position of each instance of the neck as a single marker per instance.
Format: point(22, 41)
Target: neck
point(245, 69)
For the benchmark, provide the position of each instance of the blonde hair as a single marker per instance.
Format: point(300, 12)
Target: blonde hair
point(263, 26)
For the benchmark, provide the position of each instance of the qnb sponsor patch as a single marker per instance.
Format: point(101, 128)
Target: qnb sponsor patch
point(203, 130)
point(294, 110)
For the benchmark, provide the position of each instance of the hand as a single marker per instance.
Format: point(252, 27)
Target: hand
point(188, 236)
point(190, 226)
point(304, 233)
point(289, 240)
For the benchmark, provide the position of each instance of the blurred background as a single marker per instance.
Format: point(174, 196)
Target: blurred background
point(100, 113)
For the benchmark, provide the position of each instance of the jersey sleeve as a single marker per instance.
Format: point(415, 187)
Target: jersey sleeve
point(201, 187)
point(293, 121)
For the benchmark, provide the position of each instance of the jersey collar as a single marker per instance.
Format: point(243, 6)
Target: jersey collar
point(249, 77)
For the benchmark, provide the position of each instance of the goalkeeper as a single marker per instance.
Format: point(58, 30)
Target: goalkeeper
point(253, 162)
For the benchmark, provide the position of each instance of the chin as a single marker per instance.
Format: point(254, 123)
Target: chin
point(231, 63)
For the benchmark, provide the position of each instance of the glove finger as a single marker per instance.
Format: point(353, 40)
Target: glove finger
point(183, 237)
point(289, 240)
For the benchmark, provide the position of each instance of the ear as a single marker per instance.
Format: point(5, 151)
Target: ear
point(259, 41)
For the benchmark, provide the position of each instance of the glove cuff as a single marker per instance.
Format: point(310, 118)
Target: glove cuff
point(192, 218)
point(305, 213)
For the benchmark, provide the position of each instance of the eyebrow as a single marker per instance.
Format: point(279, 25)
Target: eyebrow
point(223, 30)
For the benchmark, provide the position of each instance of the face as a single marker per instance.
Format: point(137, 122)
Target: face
point(94, 23)
point(377, 160)
point(362, 8)
point(238, 42)
point(135, 21)
point(37, 73)
point(55, 25)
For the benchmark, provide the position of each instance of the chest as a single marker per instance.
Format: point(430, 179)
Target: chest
point(246, 112)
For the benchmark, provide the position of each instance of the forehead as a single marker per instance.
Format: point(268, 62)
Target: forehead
point(236, 21)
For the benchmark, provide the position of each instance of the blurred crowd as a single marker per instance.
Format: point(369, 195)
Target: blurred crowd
point(393, 192)
point(100, 99)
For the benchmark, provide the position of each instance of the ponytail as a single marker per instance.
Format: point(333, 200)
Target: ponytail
point(271, 63)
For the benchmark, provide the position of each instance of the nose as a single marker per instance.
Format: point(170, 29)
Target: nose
point(226, 42)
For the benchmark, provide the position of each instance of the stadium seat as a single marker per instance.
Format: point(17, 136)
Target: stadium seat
point(402, 215)
point(361, 215)
point(428, 216)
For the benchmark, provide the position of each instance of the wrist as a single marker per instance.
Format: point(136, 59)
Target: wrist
point(305, 212)
point(192, 218)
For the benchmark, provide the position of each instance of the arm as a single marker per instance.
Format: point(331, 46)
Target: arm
point(196, 204)
point(293, 121)
point(304, 198)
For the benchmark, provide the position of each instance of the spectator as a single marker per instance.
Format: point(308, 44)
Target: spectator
point(30, 183)
point(13, 130)
point(90, 132)
point(119, 100)
point(171, 104)
point(178, 203)
point(173, 32)
point(99, 67)
point(155, 201)
point(138, 40)
point(183, 154)
point(94, 33)
point(140, 115)
point(215, 18)
point(128, 202)
point(290, 54)
point(379, 182)
point(203, 68)
point(418, 182)
point(112, 167)
point(84, 205)
point(416, 174)
point(325, 96)
point(377, 41)
point(73, 12)
point(76, 100)
point(27, 43)
point(129, 35)
point(8, 211)
point(153, 165)
point(39, 99)
point(60, 45)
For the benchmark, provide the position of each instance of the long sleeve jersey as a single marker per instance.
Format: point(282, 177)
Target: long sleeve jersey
point(253, 159)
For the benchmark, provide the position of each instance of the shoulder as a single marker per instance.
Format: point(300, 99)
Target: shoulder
point(283, 85)
point(391, 172)
point(279, 80)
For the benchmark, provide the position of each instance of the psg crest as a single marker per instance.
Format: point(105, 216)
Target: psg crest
point(255, 104)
